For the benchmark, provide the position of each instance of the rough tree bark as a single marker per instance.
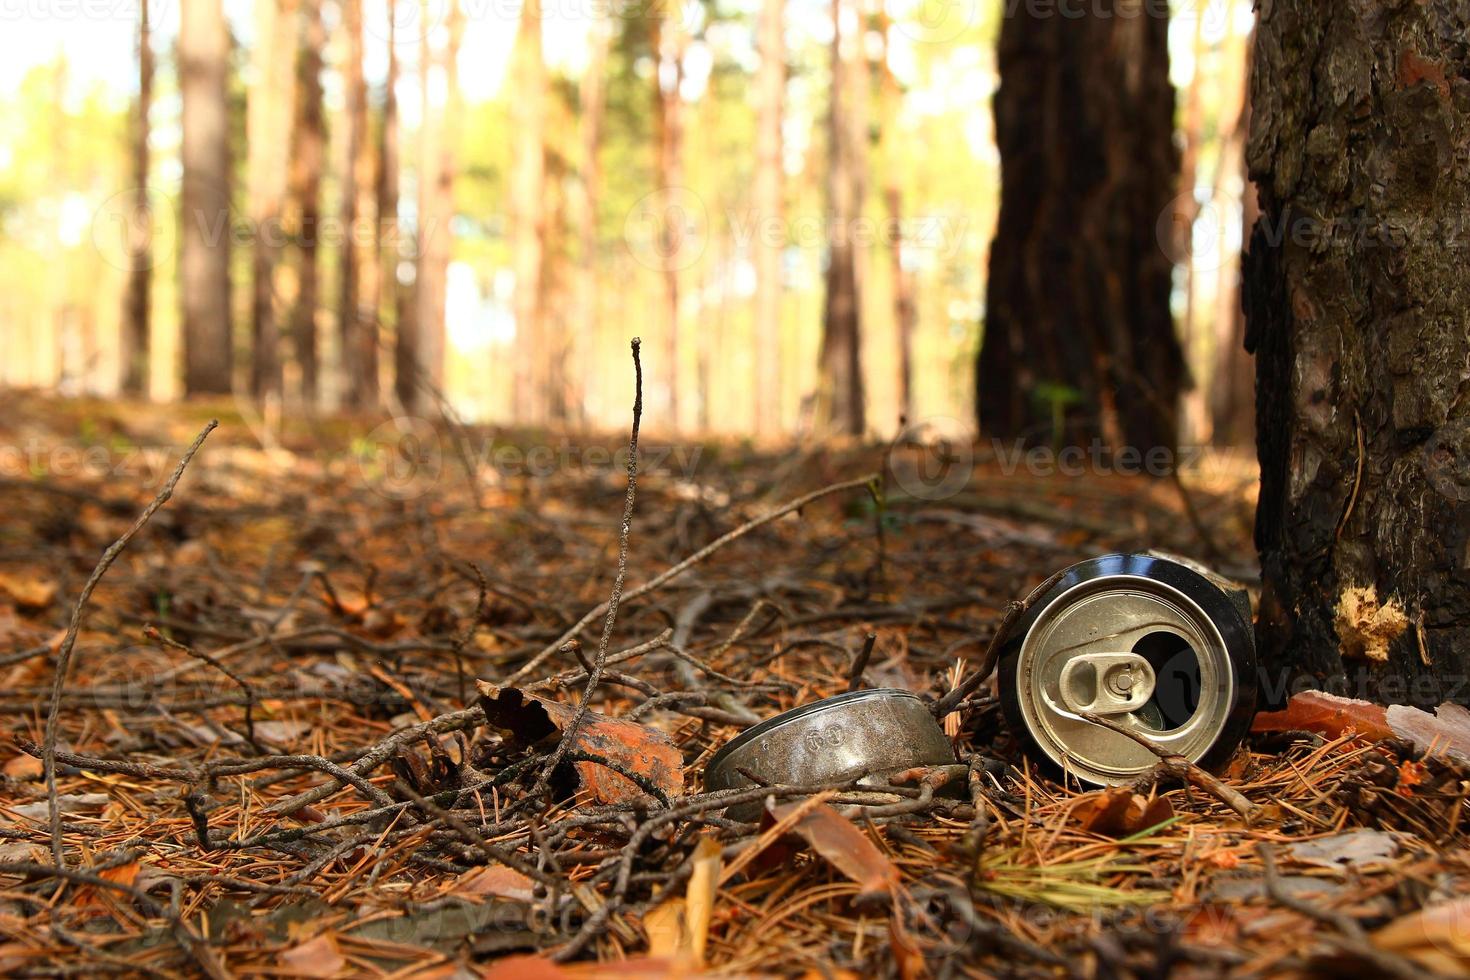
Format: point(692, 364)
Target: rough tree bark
point(1357, 304)
point(308, 144)
point(204, 235)
point(135, 341)
point(840, 397)
point(267, 116)
point(1078, 296)
point(769, 214)
point(528, 210)
point(387, 207)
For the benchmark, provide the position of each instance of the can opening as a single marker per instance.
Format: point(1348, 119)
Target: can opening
point(1177, 687)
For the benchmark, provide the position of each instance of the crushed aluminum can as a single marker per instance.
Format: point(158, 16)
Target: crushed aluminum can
point(863, 735)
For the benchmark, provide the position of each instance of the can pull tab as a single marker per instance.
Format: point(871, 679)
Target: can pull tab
point(1107, 683)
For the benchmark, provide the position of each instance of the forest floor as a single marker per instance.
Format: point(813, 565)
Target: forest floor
point(273, 757)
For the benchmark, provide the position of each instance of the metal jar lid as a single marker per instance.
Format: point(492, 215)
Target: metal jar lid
point(858, 734)
point(1151, 643)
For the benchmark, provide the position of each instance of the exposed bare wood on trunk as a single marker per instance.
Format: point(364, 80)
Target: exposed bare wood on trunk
point(593, 99)
point(669, 41)
point(769, 225)
point(905, 304)
point(204, 238)
point(1356, 298)
point(135, 345)
point(308, 153)
point(840, 397)
point(1079, 340)
point(528, 211)
point(268, 115)
point(436, 194)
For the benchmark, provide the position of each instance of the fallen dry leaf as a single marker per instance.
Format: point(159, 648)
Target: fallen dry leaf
point(1355, 849)
point(1326, 714)
point(319, 957)
point(29, 593)
point(841, 844)
point(646, 751)
point(24, 767)
point(496, 880)
point(1446, 731)
point(1120, 812)
point(1436, 937)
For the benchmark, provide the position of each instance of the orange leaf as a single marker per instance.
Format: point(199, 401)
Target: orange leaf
point(497, 880)
point(1326, 714)
point(1120, 812)
point(30, 593)
point(639, 749)
point(1436, 937)
point(319, 957)
point(841, 844)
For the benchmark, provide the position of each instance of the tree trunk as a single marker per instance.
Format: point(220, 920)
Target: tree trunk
point(268, 115)
point(528, 209)
point(769, 234)
point(1077, 321)
point(1232, 393)
point(135, 346)
point(905, 307)
point(204, 238)
point(387, 239)
point(308, 143)
point(357, 299)
point(669, 41)
point(1356, 303)
point(593, 99)
point(840, 398)
point(436, 198)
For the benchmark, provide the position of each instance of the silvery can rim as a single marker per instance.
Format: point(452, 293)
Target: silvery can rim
point(799, 713)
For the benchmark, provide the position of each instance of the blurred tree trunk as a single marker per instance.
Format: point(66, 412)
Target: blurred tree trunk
point(593, 99)
point(669, 41)
point(204, 239)
point(308, 143)
point(905, 306)
point(357, 297)
point(770, 226)
point(528, 210)
point(1077, 321)
point(135, 346)
point(387, 241)
point(840, 397)
point(1232, 401)
point(436, 197)
point(268, 116)
point(1356, 299)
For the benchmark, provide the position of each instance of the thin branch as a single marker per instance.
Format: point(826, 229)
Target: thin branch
point(63, 657)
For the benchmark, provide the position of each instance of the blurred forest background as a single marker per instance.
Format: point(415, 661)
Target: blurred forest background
point(477, 202)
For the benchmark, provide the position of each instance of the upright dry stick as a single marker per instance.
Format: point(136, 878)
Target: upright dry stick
point(870, 481)
point(594, 675)
point(63, 657)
